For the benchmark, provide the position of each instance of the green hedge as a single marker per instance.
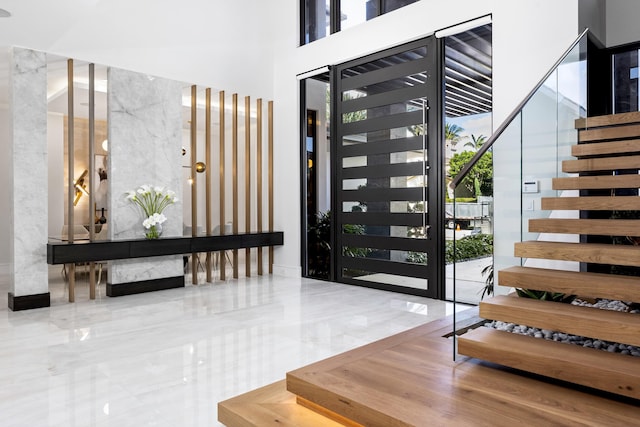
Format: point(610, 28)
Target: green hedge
point(469, 247)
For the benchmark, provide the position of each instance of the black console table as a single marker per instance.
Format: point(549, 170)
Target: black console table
point(107, 250)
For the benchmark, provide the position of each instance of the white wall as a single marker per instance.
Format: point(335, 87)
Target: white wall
point(528, 37)
point(622, 17)
point(226, 45)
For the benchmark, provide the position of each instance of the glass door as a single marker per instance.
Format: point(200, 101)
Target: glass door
point(388, 168)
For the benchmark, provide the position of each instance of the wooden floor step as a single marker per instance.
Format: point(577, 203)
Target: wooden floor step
point(615, 326)
point(271, 405)
point(606, 148)
point(609, 133)
point(594, 227)
point(608, 120)
point(601, 164)
point(584, 284)
point(598, 253)
point(594, 203)
point(598, 369)
point(596, 182)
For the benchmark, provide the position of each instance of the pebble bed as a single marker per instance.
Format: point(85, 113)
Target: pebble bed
point(611, 347)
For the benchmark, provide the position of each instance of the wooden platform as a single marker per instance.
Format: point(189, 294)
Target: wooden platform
point(410, 379)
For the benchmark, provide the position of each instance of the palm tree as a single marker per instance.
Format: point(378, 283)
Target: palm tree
point(452, 133)
point(476, 142)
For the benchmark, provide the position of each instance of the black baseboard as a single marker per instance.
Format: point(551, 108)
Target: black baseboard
point(28, 302)
point(130, 288)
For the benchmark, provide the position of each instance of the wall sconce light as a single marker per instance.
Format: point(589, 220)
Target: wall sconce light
point(80, 187)
point(200, 167)
point(105, 145)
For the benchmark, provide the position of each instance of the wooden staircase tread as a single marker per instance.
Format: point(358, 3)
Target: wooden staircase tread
point(596, 203)
point(598, 253)
point(601, 164)
point(608, 120)
point(586, 366)
point(588, 322)
point(596, 227)
point(596, 182)
point(585, 284)
point(609, 133)
point(271, 405)
point(606, 148)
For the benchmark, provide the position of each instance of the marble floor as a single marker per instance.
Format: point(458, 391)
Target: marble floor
point(166, 358)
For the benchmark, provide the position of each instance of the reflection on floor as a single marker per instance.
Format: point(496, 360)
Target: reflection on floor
point(166, 358)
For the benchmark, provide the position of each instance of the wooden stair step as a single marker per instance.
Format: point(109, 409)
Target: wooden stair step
point(608, 120)
point(584, 284)
point(608, 133)
point(588, 322)
point(598, 253)
point(271, 405)
point(601, 164)
point(598, 369)
point(594, 203)
point(595, 227)
point(606, 148)
point(596, 182)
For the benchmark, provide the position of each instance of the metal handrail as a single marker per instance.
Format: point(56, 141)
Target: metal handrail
point(487, 145)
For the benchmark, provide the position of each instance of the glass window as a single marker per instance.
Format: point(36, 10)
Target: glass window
point(319, 18)
point(389, 5)
point(354, 12)
point(625, 81)
point(316, 19)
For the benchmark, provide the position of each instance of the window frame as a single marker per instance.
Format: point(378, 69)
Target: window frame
point(334, 17)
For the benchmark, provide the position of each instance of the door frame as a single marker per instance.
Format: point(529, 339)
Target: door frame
point(435, 175)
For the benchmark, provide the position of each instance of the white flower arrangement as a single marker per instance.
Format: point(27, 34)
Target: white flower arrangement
point(152, 201)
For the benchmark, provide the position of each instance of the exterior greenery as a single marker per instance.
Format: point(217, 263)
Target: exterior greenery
point(479, 181)
point(319, 255)
point(469, 247)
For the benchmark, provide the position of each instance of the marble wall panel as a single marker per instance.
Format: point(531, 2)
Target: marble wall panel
point(145, 142)
point(29, 187)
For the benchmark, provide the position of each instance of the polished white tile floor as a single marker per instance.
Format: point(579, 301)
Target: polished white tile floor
point(167, 358)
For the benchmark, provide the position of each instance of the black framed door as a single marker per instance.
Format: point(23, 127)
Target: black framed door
point(388, 167)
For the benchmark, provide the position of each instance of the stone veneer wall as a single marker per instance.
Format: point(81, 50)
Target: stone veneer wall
point(29, 186)
point(145, 141)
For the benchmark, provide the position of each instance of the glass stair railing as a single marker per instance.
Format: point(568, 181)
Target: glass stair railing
point(526, 151)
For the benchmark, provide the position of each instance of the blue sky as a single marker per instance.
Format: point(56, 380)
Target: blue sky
point(477, 124)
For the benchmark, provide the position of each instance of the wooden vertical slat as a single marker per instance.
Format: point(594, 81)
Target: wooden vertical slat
point(259, 177)
point(194, 182)
point(247, 180)
point(270, 136)
point(70, 177)
point(208, 175)
point(222, 182)
point(92, 170)
point(234, 173)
